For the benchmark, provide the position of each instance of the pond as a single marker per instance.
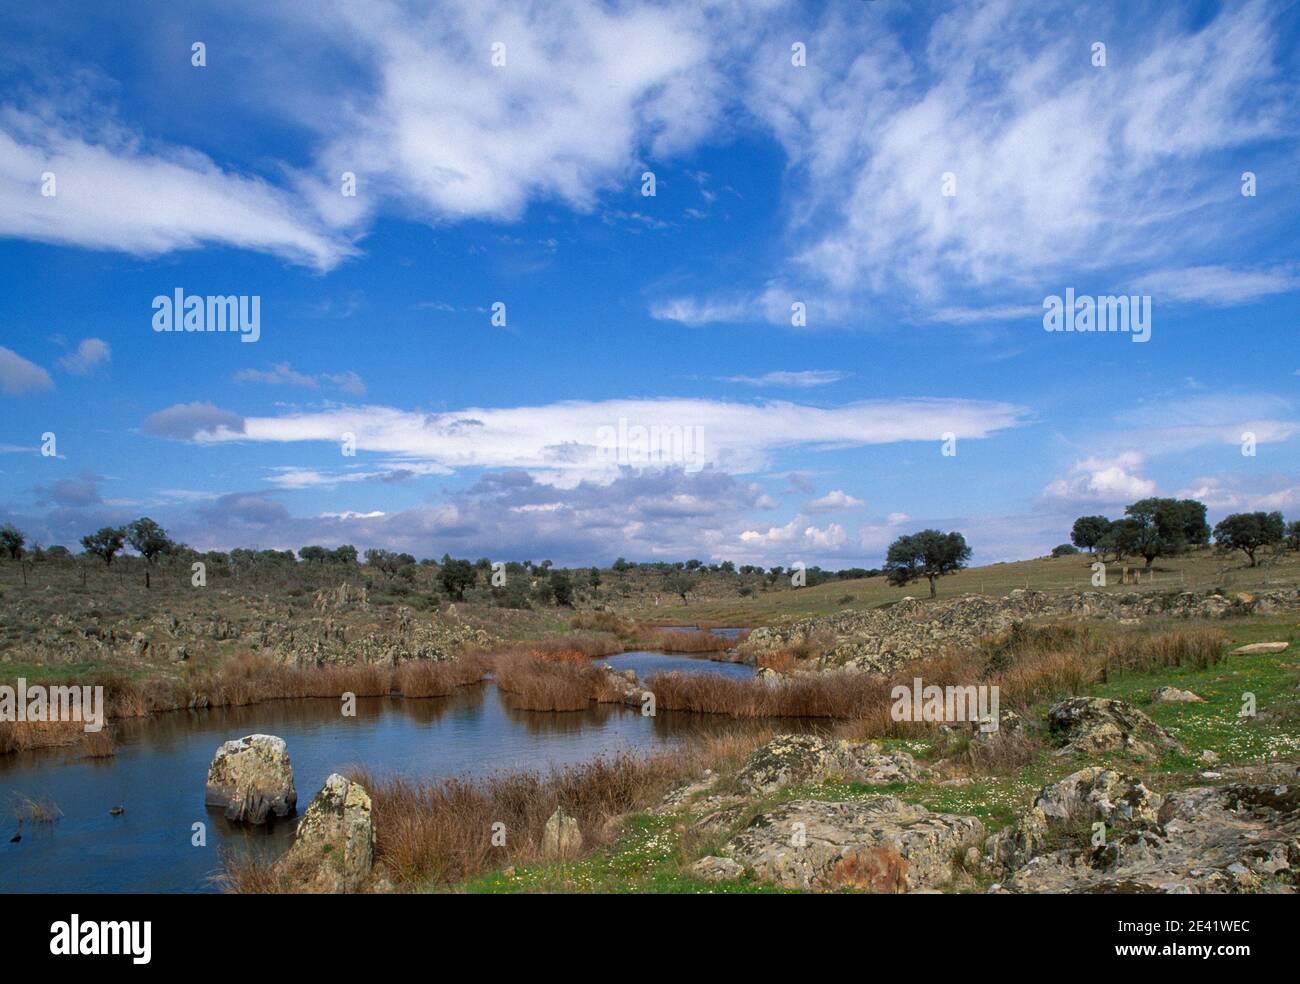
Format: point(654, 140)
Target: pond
point(157, 774)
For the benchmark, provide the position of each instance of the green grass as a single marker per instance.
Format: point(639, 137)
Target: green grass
point(650, 855)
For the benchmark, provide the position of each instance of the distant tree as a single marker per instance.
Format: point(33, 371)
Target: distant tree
point(727, 567)
point(105, 543)
point(1248, 532)
point(345, 554)
point(12, 540)
point(58, 552)
point(456, 576)
point(679, 583)
point(1165, 527)
point(1088, 531)
point(929, 554)
point(692, 565)
point(148, 538)
point(593, 578)
point(1064, 550)
point(622, 565)
point(314, 555)
point(562, 589)
point(1292, 535)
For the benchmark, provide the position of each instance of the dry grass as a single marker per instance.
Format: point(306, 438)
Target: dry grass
point(98, 744)
point(41, 809)
point(541, 684)
point(693, 642)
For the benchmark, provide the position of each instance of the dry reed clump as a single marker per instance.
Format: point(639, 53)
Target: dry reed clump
point(98, 744)
point(441, 831)
point(41, 809)
point(248, 679)
point(534, 684)
point(692, 642)
point(607, 622)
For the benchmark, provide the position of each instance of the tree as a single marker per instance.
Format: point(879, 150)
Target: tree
point(455, 576)
point(106, 542)
point(562, 589)
point(12, 540)
point(1249, 531)
point(1165, 527)
point(345, 554)
point(593, 578)
point(148, 538)
point(1293, 535)
point(1088, 531)
point(1064, 550)
point(679, 583)
point(929, 554)
point(314, 555)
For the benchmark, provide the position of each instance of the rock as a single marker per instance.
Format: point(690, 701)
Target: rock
point(1172, 695)
point(1209, 757)
point(251, 778)
point(334, 847)
point(1256, 648)
point(1097, 725)
point(715, 869)
point(880, 844)
point(561, 837)
point(1077, 801)
point(1226, 839)
point(789, 759)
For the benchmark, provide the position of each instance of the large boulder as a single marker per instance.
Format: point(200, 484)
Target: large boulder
point(880, 844)
point(789, 759)
point(561, 837)
point(334, 847)
point(1088, 796)
point(251, 778)
point(1255, 648)
point(1097, 725)
point(1226, 839)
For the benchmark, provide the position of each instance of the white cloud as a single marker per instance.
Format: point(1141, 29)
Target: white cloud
point(283, 374)
point(19, 377)
point(561, 443)
point(801, 379)
point(114, 194)
point(90, 353)
point(1217, 285)
point(835, 499)
point(1103, 480)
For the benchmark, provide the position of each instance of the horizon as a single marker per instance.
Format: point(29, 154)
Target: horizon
point(772, 284)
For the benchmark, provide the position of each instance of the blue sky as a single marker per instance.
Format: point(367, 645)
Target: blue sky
point(917, 186)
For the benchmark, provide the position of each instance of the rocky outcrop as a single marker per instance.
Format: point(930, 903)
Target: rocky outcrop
point(561, 837)
point(1258, 648)
point(1097, 726)
point(715, 869)
point(251, 778)
point(882, 639)
point(789, 759)
point(1069, 808)
point(1227, 839)
point(334, 848)
point(1172, 695)
point(880, 844)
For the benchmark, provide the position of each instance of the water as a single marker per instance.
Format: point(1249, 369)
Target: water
point(161, 763)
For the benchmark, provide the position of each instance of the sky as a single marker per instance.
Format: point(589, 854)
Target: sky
point(754, 281)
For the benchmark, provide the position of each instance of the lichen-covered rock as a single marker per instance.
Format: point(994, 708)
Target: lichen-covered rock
point(715, 869)
point(1227, 839)
point(1074, 803)
point(251, 778)
point(1098, 725)
point(1172, 695)
point(788, 759)
point(561, 837)
point(1256, 648)
point(880, 844)
point(334, 848)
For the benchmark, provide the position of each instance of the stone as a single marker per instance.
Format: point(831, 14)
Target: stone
point(1172, 695)
point(334, 847)
point(1255, 648)
point(561, 837)
point(880, 844)
point(715, 869)
point(1098, 725)
point(789, 759)
point(251, 778)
